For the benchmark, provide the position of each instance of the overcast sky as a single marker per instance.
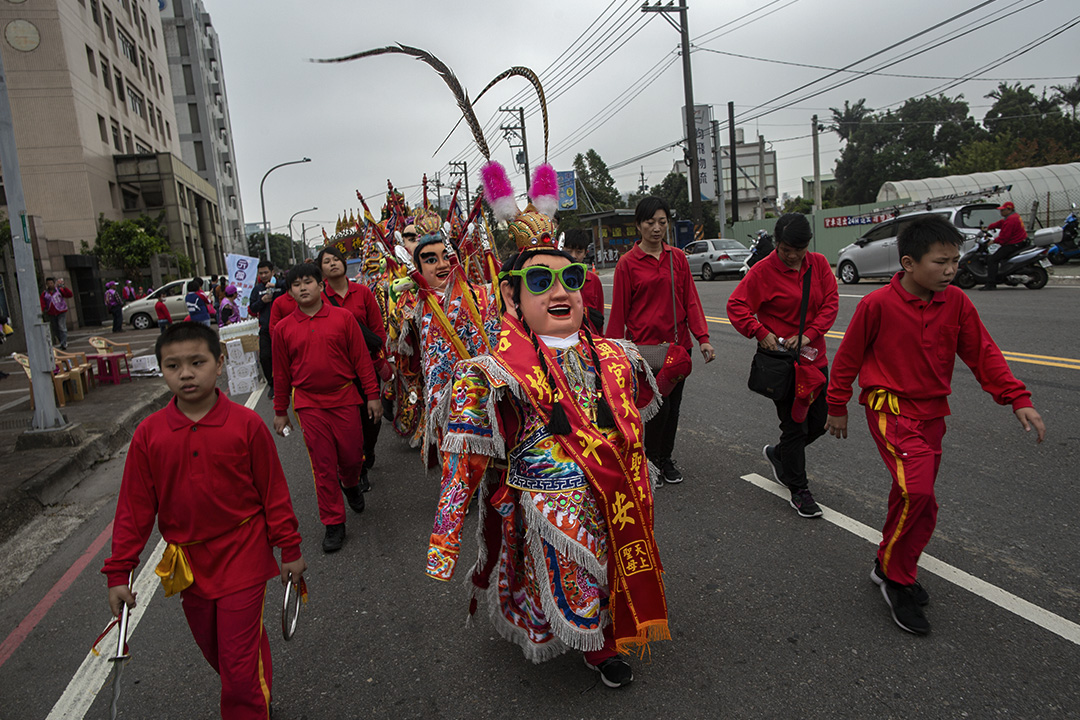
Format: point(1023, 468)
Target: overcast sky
point(378, 118)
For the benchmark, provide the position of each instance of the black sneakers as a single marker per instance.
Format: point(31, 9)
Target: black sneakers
point(804, 504)
point(878, 578)
point(671, 472)
point(355, 497)
point(905, 610)
point(365, 484)
point(334, 538)
point(769, 451)
point(614, 671)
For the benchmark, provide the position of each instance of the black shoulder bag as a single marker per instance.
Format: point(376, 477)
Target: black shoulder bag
point(772, 372)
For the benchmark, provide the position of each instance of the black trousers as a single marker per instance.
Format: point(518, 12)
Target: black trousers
point(660, 431)
point(1003, 253)
point(795, 436)
point(117, 318)
point(266, 357)
point(371, 434)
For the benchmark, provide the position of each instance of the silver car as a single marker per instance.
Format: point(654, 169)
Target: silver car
point(874, 254)
point(140, 314)
point(710, 258)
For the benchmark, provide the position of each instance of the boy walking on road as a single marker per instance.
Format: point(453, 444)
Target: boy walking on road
point(319, 352)
point(902, 343)
point(208, 470)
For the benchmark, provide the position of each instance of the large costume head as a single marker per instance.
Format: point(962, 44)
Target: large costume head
point(431, 255)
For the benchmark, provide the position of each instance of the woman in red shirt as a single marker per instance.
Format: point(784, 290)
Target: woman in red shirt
point(765, 306)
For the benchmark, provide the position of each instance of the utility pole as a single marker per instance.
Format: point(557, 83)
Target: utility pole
point(438, 191)
point(642, 187)
point(761, 177)
point(464, 171)
point(38, 338)
point(817, 167)
point(512, 132)
point(721, 204)
point(734, 158)
point(688, 92)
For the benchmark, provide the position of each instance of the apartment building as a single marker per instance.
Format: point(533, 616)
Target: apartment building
point(202, 109)
point(89, 82)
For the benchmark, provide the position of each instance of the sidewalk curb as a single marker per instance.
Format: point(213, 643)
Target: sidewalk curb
point(50, 485)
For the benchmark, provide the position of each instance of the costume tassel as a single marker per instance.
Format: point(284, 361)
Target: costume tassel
point(559, 424)
point(604, 417)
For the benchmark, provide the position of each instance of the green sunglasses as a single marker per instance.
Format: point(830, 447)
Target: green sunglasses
point(540, 278)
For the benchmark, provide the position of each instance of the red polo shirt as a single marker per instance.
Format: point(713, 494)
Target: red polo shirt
point(217, 484)
point(283, 307)
point(641, 302)
point(319, 356)
point(769, 297)
point(1012, 229)
point(360, 301)
point(592, 294)
point(898, 342)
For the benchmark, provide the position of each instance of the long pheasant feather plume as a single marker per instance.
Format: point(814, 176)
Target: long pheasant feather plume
point(521, 71)
point(440, 67)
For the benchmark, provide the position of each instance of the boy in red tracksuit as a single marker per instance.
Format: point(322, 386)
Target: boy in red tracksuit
point(319, 352)
point(902, 343)
point(208, 470)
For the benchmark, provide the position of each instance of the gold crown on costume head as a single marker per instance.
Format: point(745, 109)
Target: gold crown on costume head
point(532, 229)
point(428, 223)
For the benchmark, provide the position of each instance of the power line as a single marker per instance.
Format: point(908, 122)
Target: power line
point(702, 37)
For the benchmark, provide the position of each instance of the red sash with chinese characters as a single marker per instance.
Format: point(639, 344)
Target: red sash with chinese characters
point(617, 472)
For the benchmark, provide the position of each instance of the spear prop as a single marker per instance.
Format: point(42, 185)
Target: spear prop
point(121, 657)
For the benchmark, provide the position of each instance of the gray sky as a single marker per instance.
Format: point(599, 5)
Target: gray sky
point(366, 121)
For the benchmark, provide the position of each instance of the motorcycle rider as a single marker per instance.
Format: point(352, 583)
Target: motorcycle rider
point(1011, 239)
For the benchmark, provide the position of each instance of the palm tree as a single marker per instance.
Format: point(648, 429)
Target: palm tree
point(1069, 95)
point(845, 121)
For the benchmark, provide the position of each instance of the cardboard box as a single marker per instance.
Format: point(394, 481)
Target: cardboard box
point(250, 343)
point(234, 351)
point(243, 371)
point(242, 386)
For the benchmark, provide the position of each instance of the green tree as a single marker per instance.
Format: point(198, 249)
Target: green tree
point(596, 187)
point(845, 121)
point(280, 253)
point(1069, 95)
point(128, 245)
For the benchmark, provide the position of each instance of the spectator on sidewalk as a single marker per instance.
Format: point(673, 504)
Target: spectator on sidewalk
point(54, 304)
point(228, 311)
point(115, 306)
point(164, 317)
point(263, 295)
point(200, 308)
point(128, 293)
point(641, 311)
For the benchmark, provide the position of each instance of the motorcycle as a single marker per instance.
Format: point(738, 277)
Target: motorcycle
point(1066, 248)
point(1028, 267)
point(760, 247)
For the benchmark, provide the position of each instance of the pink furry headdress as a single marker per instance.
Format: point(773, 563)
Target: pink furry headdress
point(498, 191)
point(544, 191)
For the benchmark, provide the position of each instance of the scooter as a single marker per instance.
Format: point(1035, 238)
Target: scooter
point(1066, 248)
point(1027, 267)
point(760, 247)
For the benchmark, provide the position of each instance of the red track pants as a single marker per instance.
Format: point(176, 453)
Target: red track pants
point(911, 450)
point(230, 633)
point(335, 443)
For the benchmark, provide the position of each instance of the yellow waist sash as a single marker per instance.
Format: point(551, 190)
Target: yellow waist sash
point(881, 399)
point(174, 569)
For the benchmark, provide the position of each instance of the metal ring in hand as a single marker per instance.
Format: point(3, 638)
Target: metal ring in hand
point(290, 609)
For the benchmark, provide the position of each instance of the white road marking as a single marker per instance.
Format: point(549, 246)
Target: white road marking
point(1056, 624)
point(13, 403)
point(94, 671)
point(852, 296)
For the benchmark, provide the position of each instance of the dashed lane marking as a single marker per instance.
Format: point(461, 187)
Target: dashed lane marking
point(94, 671)
point(1045, 619)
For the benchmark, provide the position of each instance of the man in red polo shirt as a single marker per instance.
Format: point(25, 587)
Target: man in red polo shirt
point(1011, 239)
point(641, 311)
point(319, 352)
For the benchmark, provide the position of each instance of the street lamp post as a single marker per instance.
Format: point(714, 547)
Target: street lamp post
point(292, 241)
point(262, 199)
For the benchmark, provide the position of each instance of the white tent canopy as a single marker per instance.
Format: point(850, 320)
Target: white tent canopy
point(1054, 187)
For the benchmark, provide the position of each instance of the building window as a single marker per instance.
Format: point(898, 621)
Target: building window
point(135, 102)
point(168, 131)
point(90, 61)
point(127, 47)
point(189, 81)
point(103, 129)
point(161, 83)
point(151, 76)
point(153, 37)
point(106, 76)
point(193, 113)
point(150, 115)
point(182, 41)
point(127, 142)
point(116, 137)
point(95, 12)
point(161, 125)
point(200, 157)
point(115, 195)
point(119, 87)
point(141, 148)
point(145, 25)
point(109, 26)
point(142, 64)
point(180, 188)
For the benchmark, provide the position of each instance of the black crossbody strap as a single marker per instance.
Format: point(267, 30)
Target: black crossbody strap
point(674, 309)
point(802, 308)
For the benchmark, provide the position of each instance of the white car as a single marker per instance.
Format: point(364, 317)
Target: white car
point(718, 256)
point(874, 254)
point(140, 314)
